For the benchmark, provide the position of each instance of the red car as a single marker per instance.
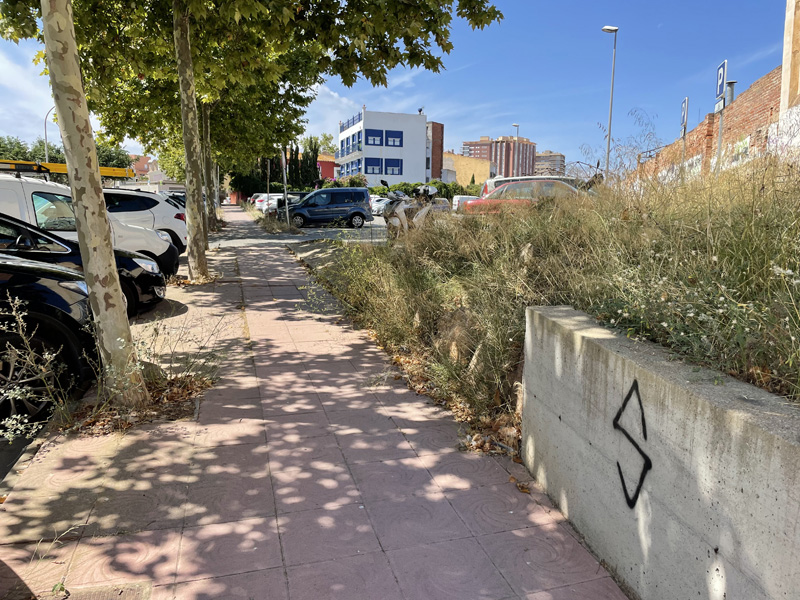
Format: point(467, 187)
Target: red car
point(519, 192)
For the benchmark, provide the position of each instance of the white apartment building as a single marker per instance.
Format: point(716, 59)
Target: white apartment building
point(382, 145)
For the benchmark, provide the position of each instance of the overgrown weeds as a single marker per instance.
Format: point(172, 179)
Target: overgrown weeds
point(270, 224)
point(178, 361)
point(709, 269)
point(33, 380)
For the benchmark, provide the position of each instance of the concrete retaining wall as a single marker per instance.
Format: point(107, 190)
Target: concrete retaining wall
point(685, 482)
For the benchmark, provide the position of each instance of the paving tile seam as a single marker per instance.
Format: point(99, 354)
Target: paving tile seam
point(574, 583)
point(479, 539)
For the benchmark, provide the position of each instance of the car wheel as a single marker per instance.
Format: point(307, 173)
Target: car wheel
point(176, 241)
point(130, 297)
point(356, 221)
point(28, 379)
point(298, 221)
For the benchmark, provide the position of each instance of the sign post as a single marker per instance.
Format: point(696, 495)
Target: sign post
point(722, 79)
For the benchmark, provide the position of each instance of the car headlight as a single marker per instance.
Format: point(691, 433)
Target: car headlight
point(164, 236)
point(79, 287)
point(150, 266)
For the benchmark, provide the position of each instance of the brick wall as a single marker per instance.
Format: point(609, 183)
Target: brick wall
point(745, 129)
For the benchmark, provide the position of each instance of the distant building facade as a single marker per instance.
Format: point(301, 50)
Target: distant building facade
point(549, 163)
point(434, 151)
point(383, 145)
point(143, 165)
point(514, 156)
point(327, 166)
point(462, 169)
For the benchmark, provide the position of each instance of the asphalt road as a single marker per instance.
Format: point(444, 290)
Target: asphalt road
point(373, 231)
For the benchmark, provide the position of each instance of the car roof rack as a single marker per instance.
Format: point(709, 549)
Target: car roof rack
point(18, 167)
point(27, 166)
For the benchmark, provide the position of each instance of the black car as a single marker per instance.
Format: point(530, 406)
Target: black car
point(55, 312)
point(142, 281)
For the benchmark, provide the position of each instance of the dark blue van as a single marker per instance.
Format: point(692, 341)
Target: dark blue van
point(347, 205)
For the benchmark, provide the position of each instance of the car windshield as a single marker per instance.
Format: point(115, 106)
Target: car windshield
point(54, 212)
point(519, 190)
point(531, 190)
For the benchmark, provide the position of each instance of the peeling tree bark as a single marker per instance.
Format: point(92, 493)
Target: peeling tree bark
point(198, 266)
point(113, 333)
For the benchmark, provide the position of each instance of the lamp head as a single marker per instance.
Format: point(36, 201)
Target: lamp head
point(610, 29)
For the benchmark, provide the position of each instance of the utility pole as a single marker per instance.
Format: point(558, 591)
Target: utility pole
point(46, 151)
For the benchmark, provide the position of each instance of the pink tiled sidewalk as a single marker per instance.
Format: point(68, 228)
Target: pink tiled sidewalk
point(309, 475)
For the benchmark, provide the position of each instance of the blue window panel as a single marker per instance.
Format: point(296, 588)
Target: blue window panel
point(394, 138)
point(373, 166)
point(342, 144)
point(359, 137)
point(393, 166)
point(374, 137)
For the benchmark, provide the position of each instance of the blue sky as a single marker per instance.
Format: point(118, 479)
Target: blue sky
point(547, 66)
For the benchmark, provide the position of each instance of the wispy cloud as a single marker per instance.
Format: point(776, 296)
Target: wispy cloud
point(26, 97)
point(759, 55)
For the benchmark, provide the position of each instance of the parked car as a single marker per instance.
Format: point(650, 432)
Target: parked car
point(141, 280)
point(491, 184)
point(56, 317)
point(258, 200)
point(348, 205)
point(440, 205)
point(147, 209)
point(275, 201)
point(49, 206)
point(459, 200)
point(520, 192)
point(377, 203)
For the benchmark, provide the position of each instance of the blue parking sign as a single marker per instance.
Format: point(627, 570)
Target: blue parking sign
point(684, 111)
point(722, 78)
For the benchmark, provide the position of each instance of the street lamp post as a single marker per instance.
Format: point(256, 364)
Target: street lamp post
point(516, 151)
point(46, 153)
point(610, 29)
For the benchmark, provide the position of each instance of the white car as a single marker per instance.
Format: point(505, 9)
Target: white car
point(147, 209)
point(49, 206)
point(376, 204)
point(259, 200)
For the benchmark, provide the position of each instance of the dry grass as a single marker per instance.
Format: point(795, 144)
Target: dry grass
point(709, 269)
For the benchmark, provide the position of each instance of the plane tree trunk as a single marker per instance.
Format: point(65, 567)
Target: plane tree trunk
point(211, 204)
point(118, 355)
point(196, 247)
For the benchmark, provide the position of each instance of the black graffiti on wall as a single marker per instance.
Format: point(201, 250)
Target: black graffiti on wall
point(648, 464)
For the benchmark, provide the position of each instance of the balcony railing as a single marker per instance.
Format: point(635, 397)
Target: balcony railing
point(350, 122)
point(348, 150)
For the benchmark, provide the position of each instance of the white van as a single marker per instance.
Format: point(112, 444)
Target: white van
point(459, 200)
point(49, 206)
